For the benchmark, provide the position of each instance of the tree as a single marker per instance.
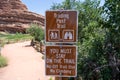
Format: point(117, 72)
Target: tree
point(112, 40)
point(98, 38)
point(90, 35)
point(37, 32)
point(65, 5)
point(103, 59)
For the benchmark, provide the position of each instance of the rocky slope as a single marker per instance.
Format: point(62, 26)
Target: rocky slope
point(15, 17)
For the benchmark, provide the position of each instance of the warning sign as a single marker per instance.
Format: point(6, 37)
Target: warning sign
point(61, 26)
point(61, 61)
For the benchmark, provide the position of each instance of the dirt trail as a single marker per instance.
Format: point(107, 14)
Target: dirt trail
point(24, 63)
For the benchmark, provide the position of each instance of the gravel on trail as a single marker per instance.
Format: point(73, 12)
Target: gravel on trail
point(24, 63)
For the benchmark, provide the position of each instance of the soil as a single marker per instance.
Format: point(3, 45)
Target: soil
point(24, 63)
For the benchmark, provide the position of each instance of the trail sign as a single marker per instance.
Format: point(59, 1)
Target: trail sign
point(61, 61)
point(61, 26)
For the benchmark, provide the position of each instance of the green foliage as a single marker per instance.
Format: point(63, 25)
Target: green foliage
point(89, 17)
point(51, 78)
point(3, 61)
point(37, 32)
point(66, 5)
point(18, 37)
point(1, 44)
point(112, 38)
point(10, 38)
point(98, 38)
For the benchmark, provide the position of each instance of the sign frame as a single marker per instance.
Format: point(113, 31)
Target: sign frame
point(63, 41)
point(75, 62)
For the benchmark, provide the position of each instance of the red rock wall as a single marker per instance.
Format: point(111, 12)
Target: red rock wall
point(12, 4)
point(14, 16)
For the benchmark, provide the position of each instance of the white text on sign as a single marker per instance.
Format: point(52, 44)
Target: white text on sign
point(61, 19)
point(61, 60)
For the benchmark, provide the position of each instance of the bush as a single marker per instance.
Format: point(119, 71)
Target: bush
point(37, 32)
point(3, 61)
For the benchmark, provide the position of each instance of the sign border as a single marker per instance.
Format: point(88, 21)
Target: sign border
point(75, 64)
point(63, 41)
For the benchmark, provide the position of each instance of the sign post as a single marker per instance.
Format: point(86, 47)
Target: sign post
point(61, 28)
point(61, 78)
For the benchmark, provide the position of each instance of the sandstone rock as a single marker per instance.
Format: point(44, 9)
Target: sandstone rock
point(15, 17)
point(12, 4)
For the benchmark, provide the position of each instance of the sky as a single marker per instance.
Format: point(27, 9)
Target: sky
point(40, 6)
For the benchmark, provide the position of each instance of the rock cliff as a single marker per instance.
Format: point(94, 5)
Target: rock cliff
point(15, 17)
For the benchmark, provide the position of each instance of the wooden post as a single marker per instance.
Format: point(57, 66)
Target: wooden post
point(61, 78)
point(64, 78)
point(0, 50)
point(40, 47)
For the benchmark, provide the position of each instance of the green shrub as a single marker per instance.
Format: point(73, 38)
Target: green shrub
point(12, 38)
point(3, 61)
point(50, 78)
point(37, 32)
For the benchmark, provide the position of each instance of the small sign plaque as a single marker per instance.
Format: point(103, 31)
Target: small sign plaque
point(61, 61)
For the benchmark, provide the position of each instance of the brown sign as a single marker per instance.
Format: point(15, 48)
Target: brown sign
point(61, 61)
point(61, 26)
